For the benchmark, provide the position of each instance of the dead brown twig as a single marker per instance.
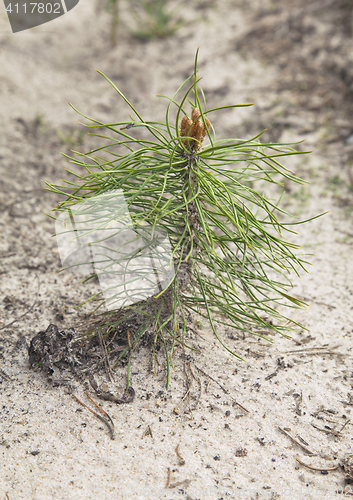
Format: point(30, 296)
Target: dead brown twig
point(298, 404)
point(321, 469)
point(179, 455)
point(148, 432)
point(303, 447)
point(221, 386)
point(108, 421)
point(108, 369)
point(175, 410)
point(184, 483)
point(4, 255)
point(328, 430)
point(313, 351)
point(169, 477)
point(344, 425)
point(199, 381)
point(4, 375)
point(350, 400)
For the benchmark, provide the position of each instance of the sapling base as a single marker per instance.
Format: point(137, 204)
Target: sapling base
point(192, 202)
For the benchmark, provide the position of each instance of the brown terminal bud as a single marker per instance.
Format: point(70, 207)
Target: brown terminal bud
point(204, 133)
point(185, 126)
point(194, 128)
point(195, 113)
point(197, 131)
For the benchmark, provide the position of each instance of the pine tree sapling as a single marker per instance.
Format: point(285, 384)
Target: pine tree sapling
point(170, 221)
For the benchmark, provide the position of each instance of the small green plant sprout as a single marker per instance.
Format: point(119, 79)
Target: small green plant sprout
point(113, 7)
point(170, 221)
point(72, 137)
point(154, 19)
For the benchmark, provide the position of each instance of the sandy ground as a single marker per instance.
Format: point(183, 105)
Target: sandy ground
point(242, 437)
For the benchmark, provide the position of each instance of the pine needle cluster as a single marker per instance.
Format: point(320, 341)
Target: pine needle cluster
point(222, 240)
